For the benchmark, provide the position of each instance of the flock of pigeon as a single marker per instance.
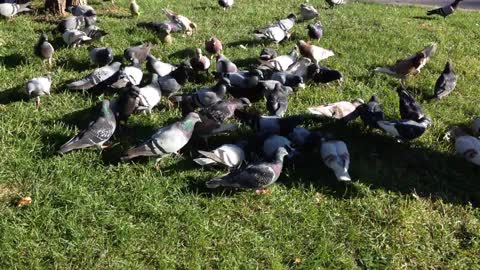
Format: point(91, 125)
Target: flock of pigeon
point(207, 110)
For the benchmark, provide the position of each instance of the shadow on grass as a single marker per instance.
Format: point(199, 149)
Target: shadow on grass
point(13, 94)
point(13, 60)
point(183, 54)
point(246, 62)
point(54, 141)
point(425, 18)
point(247, 42)
point(74, 64)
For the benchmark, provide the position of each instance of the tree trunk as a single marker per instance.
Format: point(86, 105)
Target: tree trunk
point(76, 2)
point(56, 7)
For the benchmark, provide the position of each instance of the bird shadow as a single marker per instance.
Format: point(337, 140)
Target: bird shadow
point(117, 16)
point(13, 60)
point(13, 94)
point(246, 62)
point(205, 7)
point(80, 118)
point(425, 18)
point(183, 54)
point(52, 141)
point(247, 42)
point(74, 64)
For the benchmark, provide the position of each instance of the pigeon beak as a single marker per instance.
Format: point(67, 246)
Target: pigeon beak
point(301, 86)
point(343, 176)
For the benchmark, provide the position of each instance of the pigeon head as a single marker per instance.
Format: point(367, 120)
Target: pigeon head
point(191, 119)
point(357, 102)
point(43, 37)
point(244, 102)
point(106, 108)
point(213, 45)
point(280, 154)
point(448, 68)
point(225, 81)
point(295, 81)
point(374, 98)
point(268, 54)
point(453, 133)
point(256, 73)
point(292, 17)
point(476, 126)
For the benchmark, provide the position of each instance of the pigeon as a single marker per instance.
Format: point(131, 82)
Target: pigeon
point(75, 23)
point(321, 74)
point(333, 3)
point(81, 10)
point(39, 87)
point(96, 134)
point(164, 29)
point(315, 31)
point(138, 54)
point(446, 10)
point(312, 52)
point(273, 143)
point(134, 8)
point(149, 95)
point(159, 67)
point(371, 113)
point(405, 130)
point(409, 108)
point(100, 56)
point(301, 68)
point(336, 157)
point(267, 54)
point(199, 62)
point(213, 46)
point(205, 97)
point(44, 49)
point(127, 103)
point(223, 109)
point(171, 83)
point(302, 137)
point(96, 77)
point(411, 66)
point(186, 24)
point(446, 83)
point(284, 24)
point(465, 145)
point(167, 140)
point(255, 176)
point(94, 32)
point(308, 12)
point(11, 9)
point(230, 155)
point(75, 37)
point(245, 84)
point(224, 65)
point(226, 4)
point(277, 100)
point(278, 31)
point(128, 75)
point(268, 125)
point(288, 79)
point(476, 126)
point(282, 62)
point(338, 110)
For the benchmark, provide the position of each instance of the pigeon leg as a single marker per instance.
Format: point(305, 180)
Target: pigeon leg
point(403, 83)
point(37, 102)
point(158, 163)
point(106, 146)
point(263, 191)
point(50, 61)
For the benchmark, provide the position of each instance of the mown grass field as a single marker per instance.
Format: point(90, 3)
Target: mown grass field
point(411, 206)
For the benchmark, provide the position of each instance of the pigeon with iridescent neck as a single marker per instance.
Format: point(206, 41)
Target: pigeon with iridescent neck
point(96, 134)
point(255, 176)
point(44, 49)
point(315, 31)
point(409, 108)
point(224, 65)
point(405, 130)
point(130, 75)
point(149, 96)
point(75, 37)
point(277, 99)
point(167, 140)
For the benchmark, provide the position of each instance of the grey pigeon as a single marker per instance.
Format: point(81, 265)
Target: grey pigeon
point(445, 11)
point(277, 100)
point(273, 143)
point(405, 130)
point(371, 112)
point(333, 3)
point(100, 56)
point(138, 54)
point(96, 77)
point(11, 9)
point(476, 126)
point(230, 155)
point(335, 156)
point(446, 83)
point(167, 140)
point(268, 125)
point(96, 134)
point(200, 62)
point(130, 75)
point(278, 31)
point(204, 97)
point(301, 68)
point(149, 95)
point(75, 23)
point(315, 31)
point(214, 116)
point(256, 176)
point(226, 3)
point(409, 108)
point(465, 145)
point(127, 103)
point(308, 12)
point(75, 37)
point(81, 10)
point(174, 81)
point(282, 62)
point(288, 79)
point(44, 49)
point(39, 87)
point(268, 54)
point(224, 65)
point(94, 32)
point(159, 67)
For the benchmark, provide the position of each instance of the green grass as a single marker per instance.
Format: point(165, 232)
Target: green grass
point(411, 206)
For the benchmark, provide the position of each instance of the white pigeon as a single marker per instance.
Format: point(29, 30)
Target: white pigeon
point(97, 76)
point(337, 110)
point(335, 156)
point(39, 87)
point(476, 126)
point(308, 12)
point(129, 74)
point(465, 145)
point(149, 95)
point(11, 9)
point(75, 37)
point(230, 155)
point(282, 62)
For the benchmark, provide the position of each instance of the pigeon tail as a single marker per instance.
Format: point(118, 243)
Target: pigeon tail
point(214, 183)
point(204, 161)
point(24, 7)
point(80, 85)
point(384, 70)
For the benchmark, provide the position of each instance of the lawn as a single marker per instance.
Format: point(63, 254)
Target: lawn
point(410, 206)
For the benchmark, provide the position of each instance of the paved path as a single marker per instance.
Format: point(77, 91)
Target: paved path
point(466, 4)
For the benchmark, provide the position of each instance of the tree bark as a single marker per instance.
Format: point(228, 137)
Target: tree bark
point(76, 2)
point(56, 7)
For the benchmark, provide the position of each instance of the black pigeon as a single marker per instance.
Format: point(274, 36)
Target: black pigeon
point(321, 74)
point(174, 81)
point(127, 103)
point(446, 83)
point(405, 130)
point(269, 125)
point(246, 84)
point(100, 56)
point(268, 54)
point(214, 116)
point(315, 31)
point(371, 112)
point(288, 79)
point(277, 100)
point(409, 108)
point(446, 10)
